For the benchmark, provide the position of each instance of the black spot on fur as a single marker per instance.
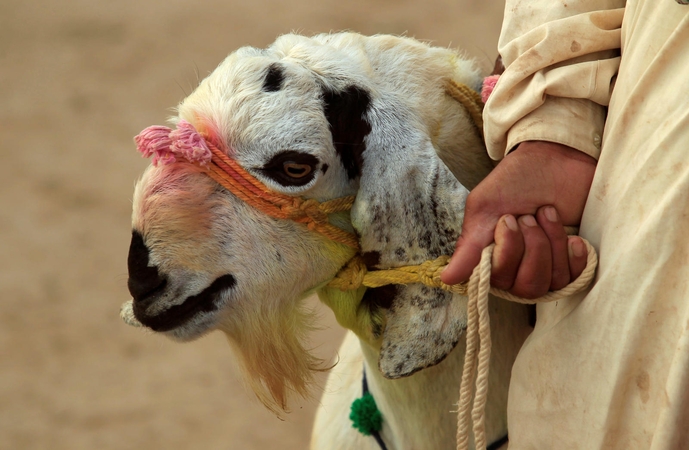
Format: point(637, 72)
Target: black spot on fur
point(426, 241)
point(381, 297)
point(371, 259)
point(376, 298)
point(382, 219)
point(274, 78)
point(417, 300)
point(324, 168)
point(376, 330)
point(434, 196)
point(345, 112)
point(431, 299)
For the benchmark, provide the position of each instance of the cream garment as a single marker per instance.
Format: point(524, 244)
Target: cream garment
point(609, 369)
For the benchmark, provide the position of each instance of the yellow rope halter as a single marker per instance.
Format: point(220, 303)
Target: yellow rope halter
point(470, 99)
point(354, 274)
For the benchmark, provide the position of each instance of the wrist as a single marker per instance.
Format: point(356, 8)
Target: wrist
point(553, 149)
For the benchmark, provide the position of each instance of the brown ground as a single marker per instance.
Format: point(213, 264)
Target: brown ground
point(78, 78)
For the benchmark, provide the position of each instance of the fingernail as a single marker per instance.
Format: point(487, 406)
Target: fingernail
point(511, 223)
point(529, 221)
point(551, 214)
point(448, 265)
point(578, 247)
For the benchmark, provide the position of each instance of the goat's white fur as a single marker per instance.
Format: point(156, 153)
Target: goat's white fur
point(196, 231)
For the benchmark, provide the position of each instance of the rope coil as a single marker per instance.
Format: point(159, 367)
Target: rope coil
point(474, 382)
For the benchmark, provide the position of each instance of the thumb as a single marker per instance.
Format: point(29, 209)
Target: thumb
point(478, 231)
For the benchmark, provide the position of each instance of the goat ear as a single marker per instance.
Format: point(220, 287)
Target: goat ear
point(409, 209)
point(423, 327)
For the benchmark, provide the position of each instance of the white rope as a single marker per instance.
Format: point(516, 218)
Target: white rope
point(477, 356)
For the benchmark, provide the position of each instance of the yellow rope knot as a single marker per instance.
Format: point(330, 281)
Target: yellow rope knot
point(351, 276)
point(429, 271)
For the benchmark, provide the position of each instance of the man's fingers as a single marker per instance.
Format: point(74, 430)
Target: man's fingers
point(466, 256)
point(577, 256)
point(509, 248)
point(533, 278)
point(549, 220)
point(477, 233)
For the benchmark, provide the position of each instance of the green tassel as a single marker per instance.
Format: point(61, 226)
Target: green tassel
point(365, 415)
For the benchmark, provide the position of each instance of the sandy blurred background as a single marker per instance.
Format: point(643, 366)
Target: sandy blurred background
point(78, 79)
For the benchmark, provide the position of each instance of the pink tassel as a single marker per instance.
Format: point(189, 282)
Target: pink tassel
point(189, 144)
point(155, 141)
point(165, 145)
point(488, 86)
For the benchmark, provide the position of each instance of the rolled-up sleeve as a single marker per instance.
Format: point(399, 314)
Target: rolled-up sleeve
point(561, 59)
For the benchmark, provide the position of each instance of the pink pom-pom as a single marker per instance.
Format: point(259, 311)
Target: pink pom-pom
point(488, 86)
point(155, 141)
point(188, 143)
point(165, 146)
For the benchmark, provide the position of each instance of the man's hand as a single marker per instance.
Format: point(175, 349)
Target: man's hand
point(523, 206)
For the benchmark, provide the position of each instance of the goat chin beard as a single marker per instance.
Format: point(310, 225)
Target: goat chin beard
point(269, 342)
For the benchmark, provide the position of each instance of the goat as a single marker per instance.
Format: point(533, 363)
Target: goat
point(319, 118)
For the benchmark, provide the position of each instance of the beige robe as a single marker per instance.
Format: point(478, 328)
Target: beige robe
point(608, 369)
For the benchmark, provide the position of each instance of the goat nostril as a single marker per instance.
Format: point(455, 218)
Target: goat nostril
point(144, 280)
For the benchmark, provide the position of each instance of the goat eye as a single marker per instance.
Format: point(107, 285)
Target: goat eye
point(291, 168)
point(296, 170)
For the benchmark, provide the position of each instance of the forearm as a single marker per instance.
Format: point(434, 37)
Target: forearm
point(560, 62)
